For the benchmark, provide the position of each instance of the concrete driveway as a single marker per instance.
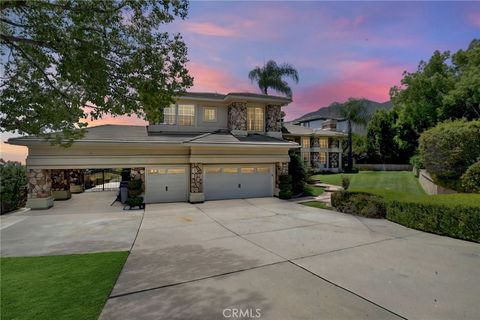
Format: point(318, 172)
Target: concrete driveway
point(85, 223)
point(282, 260)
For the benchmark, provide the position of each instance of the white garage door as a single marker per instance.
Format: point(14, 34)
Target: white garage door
point(238, 181)
point(166, 184)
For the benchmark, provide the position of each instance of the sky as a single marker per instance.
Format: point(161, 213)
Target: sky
point(340, 49)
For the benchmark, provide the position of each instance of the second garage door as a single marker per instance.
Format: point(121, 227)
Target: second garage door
point(238, 181)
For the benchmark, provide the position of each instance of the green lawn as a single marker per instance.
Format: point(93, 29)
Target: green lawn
point(311, 190)
point(58, 287)
point(315, 204)
point(395, 181)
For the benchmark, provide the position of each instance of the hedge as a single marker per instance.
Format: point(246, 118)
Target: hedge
point(451, 219)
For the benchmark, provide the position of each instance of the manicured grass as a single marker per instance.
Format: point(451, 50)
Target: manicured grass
point(315, 204)
point(58, 287)
point(394, 181)
point(311, 190)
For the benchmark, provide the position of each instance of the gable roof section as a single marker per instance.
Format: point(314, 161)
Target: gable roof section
point(296, 130)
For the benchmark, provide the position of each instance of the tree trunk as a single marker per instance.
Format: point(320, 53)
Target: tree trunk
point(350, 155)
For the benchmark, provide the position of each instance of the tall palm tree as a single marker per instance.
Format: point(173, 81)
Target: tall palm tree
point(353, 111)
point(270, 76)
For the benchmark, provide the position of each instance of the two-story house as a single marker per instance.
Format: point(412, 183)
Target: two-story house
point(211, 146)
point(320, 148)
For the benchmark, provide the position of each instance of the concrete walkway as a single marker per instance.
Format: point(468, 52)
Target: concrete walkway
point(288, 261)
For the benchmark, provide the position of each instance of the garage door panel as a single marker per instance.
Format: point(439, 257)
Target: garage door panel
point(166, 184)
point(238, 181)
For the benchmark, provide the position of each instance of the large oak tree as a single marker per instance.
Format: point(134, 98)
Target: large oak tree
point(112, 56)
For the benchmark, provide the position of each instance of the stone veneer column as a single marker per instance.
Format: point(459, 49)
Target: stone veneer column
point(237, 118)
point(196, 183)
point(273, 115)
point(39, 189)
point(281, 169)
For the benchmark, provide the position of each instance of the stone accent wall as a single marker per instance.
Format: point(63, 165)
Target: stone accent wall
point(60, 180)
point(273, 117)
point(281, 169)
point(39, 183)
point(333, 159)
point(315, 142)
point(237, 116)
point(196, 178)
point(76, 177)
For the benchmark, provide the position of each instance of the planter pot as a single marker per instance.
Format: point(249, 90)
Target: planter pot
point(61, 195)
point(76, 188)
point(40, 203)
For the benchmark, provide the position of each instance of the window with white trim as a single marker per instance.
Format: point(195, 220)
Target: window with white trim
point(209, 114)
point(255, 119)
point(186, 115)
point(169, 114)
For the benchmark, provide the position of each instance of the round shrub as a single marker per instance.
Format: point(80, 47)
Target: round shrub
point(448, 149)
point(285, 186)
point(471, 179)
point(359, 203)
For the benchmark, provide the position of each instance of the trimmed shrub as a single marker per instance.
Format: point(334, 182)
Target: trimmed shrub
point(456, 221)
point(13, 181)
point(134, 188)
point(345, 182)
point(134, 202)
point(359, 203)
point(299, 173)
point(285, 185)
point(471, 179)
point(448, 149)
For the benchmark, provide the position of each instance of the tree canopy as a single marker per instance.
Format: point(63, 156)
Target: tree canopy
point(271, 76)
point(354, 111)
point(67, 60)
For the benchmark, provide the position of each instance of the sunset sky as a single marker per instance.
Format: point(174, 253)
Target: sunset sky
point(341, 50)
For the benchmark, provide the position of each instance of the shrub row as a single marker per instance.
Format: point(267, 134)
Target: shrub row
point(455, 220)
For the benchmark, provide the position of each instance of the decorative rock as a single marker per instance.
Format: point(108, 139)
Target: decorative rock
point(237, 116)
point(273, 118)
point(196, 178)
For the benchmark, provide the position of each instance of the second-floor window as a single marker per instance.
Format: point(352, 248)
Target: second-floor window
point(210, 114)
point(169, 114)
point(255, 118)
point(323, 142)
point(186, 115)
point(306, 142)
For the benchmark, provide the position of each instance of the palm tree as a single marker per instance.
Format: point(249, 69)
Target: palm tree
point(353, 111)
point(270, 76)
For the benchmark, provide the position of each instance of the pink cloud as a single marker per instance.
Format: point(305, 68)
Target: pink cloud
point(207, 78)
point(346, 23)
point(210, 29)
point(474, 18)
point(369, 79)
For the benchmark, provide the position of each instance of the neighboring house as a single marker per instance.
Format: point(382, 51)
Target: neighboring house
point(316, 122)
point(210, 146)
point(321, 148)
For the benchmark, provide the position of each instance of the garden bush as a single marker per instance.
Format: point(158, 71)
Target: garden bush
point(299, 173)
point(345, 182)
point(135, 188)
point(13, 181)
point(285, 185)
point(471, 179)
point(359, 203)
point(448, 149)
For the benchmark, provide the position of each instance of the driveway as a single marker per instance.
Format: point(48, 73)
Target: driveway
point(85, 223)
point(282, 260)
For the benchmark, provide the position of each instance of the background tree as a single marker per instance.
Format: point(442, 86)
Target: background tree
point(382, 147)
point(271, 76)
point(111, 56)
point(354, 112)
